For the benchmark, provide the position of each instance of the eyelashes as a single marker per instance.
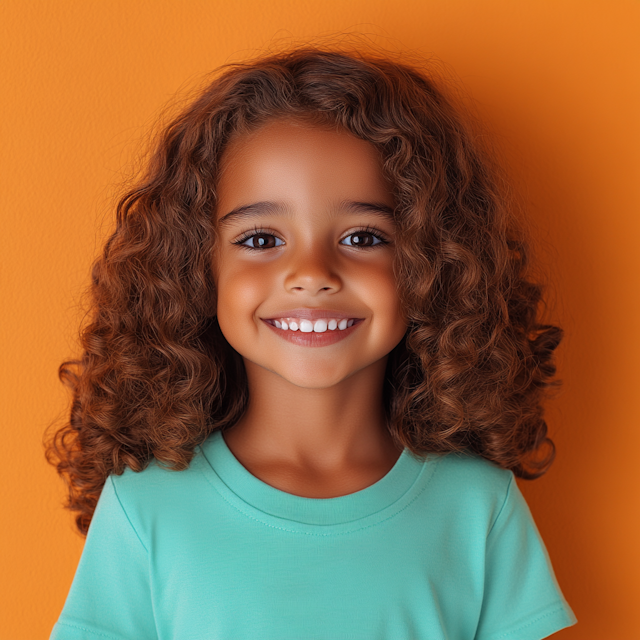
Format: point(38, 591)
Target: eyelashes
point(268, 233)
point(254, 233)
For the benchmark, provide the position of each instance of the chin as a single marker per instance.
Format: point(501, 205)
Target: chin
point(314, 383)
point(311, 379)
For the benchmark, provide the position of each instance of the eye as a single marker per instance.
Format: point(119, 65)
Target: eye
point(259, 240)
point(364, 238)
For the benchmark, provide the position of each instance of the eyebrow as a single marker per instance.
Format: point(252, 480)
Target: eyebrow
point(265, 208)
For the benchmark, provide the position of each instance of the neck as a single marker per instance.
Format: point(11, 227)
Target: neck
point(318, 430)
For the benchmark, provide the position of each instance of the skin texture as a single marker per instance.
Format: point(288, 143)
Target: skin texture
point(314, 425)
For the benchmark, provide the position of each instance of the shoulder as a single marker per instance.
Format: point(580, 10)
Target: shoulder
point(159, 492)
point(156, 477)
point(465, 483)
point(471, 472)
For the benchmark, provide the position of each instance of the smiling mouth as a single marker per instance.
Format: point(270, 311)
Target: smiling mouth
point(305, 334)
point(312, 326)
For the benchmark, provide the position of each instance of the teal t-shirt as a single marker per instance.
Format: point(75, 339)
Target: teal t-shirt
point(441, 548)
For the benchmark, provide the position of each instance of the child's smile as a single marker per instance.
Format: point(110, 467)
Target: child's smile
point(304, 263)
point(313, 327)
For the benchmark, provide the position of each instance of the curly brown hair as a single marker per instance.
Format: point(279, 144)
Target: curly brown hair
point(157, 376)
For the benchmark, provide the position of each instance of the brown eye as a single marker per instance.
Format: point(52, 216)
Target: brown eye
point(260, 241)
point(363, 239)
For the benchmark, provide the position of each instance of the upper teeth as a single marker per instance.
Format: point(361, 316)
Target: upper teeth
point(306, 326)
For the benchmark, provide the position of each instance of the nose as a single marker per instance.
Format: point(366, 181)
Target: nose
point(312, 270)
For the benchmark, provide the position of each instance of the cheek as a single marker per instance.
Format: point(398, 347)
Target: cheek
point(381, 284)
point(395, 319)
point(240, 292)
point(382, 297)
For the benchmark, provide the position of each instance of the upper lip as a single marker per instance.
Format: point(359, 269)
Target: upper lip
point(311, 314)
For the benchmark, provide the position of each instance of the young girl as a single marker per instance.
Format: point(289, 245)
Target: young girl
point(313, 370)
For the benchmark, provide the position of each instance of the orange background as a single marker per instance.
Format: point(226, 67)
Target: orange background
point(556, 82)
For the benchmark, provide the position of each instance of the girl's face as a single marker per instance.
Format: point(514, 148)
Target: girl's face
point(306, 241)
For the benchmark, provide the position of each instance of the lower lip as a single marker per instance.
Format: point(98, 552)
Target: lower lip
point(313, 339)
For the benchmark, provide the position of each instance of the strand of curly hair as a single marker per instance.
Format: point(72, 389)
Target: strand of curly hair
point(157, 377)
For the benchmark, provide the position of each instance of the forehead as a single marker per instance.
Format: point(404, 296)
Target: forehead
point(298, 163)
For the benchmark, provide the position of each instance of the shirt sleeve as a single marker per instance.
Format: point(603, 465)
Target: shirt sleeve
point(110, 596)
point(522, 599)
